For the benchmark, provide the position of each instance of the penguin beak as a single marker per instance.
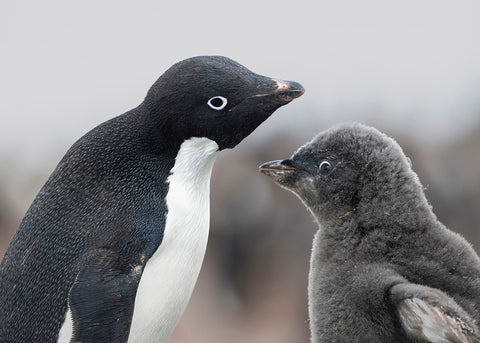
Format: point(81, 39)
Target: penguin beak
point(277, 168)
point(286, 90)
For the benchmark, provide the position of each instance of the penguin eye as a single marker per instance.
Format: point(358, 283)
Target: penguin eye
point(217, 102)
point(325, 168)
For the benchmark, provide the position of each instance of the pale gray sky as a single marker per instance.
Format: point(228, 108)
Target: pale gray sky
point(67, 66)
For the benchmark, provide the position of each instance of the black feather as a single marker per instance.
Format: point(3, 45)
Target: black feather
point(101, 214)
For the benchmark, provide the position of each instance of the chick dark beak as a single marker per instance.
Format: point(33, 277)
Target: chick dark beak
point(286, 90)
point(277, 168)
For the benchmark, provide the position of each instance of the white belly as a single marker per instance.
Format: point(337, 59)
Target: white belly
point(170, 274)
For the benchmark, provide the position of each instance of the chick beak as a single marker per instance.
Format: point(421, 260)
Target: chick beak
point(277, 168)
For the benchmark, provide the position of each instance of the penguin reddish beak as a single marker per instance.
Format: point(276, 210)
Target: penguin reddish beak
point(286, 90)
point(277, 168)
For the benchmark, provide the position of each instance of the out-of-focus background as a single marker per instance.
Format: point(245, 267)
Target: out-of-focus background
point(410, 68)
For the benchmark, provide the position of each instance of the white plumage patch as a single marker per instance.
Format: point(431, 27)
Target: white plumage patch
point(65, 334)
point(171, 273)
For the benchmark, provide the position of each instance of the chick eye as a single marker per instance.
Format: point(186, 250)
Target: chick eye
point(325, 168)
point(217, 102)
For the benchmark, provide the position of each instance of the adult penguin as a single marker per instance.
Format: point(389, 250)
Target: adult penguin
point(112, 245)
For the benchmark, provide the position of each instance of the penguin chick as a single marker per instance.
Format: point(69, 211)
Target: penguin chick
point(383, 268)
point(111, 247)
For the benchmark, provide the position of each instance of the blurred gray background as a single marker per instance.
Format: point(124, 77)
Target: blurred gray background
point(410, 68)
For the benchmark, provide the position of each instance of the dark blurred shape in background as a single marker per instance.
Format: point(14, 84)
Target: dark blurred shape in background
point(411, 69)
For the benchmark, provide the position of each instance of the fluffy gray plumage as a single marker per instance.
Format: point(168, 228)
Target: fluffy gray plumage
point(383, 268)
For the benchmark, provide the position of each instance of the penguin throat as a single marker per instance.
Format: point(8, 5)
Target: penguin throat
point(195, 158)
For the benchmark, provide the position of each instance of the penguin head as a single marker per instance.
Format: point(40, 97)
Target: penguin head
point(217, 98)
point(349, 170)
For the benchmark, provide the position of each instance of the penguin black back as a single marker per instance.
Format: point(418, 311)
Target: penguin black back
point(85, 240)
point(383, 268)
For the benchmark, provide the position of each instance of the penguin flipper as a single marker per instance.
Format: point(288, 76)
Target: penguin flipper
point(429, 315)
point(103, 296)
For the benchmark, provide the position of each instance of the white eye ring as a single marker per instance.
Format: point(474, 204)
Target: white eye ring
point(214, 102)
point(325, 168)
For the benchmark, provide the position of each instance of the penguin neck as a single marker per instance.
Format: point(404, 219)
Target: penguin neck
point(401, 206)
point(155, 125)
point(388, 216)
point(195, 159)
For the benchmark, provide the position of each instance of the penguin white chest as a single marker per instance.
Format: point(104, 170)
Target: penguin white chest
point(171, 273)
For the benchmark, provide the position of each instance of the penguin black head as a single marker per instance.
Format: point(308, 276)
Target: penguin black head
point(217, 98)
point(350, 169)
